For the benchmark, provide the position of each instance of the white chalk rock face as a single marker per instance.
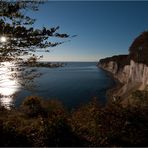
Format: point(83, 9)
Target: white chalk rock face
point(129, 75)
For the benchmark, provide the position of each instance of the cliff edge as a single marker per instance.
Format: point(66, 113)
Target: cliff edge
point(130, 70)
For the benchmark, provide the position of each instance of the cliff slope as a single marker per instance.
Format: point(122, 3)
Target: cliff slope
point(130, 70)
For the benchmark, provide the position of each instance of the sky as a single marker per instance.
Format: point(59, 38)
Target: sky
point(103, 28)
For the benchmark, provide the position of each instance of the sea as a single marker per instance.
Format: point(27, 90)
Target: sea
point(74, 84)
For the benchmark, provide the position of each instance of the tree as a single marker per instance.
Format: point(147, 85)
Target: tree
point(138, 50)
point(18, 37)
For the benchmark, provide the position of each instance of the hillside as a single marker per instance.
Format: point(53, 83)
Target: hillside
point(138, 50)
point(131, 70)
point(121, 60)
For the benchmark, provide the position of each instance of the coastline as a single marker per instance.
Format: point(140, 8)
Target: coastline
point(116, 87)
point(44, 64)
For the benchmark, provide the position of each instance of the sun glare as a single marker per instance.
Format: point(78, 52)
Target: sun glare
point(8, 86)
point(3, 39)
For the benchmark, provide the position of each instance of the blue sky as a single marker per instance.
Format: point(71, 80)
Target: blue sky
point(104, 28)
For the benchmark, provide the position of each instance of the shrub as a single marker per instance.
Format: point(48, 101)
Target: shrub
point(140, 98)
point(86, 124)
point(32, 106)
point(47, 123)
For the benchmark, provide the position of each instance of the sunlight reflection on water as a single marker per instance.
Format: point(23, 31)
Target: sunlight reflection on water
point(8, 85)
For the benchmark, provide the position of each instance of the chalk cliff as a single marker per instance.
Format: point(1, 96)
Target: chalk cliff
point(130, 70)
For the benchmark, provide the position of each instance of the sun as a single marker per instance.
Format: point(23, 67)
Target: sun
point(3, 39)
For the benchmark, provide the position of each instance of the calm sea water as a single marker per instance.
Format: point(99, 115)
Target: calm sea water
point(74, 84)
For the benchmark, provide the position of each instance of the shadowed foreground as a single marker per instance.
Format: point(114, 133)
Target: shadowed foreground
point(46, 123)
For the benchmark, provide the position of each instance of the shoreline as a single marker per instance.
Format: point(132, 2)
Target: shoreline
point(44, 64)
point(112, 90)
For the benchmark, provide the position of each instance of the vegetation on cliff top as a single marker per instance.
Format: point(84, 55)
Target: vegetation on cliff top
point(138, 52)
point(121, 60)
point(139, 49)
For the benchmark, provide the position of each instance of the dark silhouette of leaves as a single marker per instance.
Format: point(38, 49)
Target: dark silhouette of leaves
point(21, 38)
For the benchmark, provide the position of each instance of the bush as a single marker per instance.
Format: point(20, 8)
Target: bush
point(140, 98)
point(86, 124)
point(32, 106)
point(112, 125)
point(46, 123)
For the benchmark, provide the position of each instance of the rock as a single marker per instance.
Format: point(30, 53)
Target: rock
point(130, 70)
